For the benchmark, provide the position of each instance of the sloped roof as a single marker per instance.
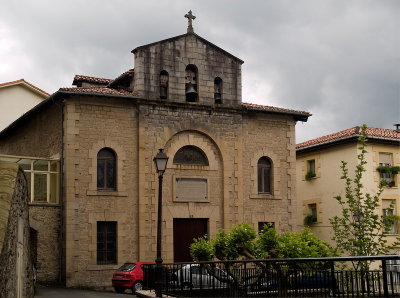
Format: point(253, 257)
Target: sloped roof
point(126, 75)
point(97, 90)
point(351, 133)
point(106, 88)
point(92, 80)
point(300, 115)
point(187, 34)
point(251, 106)
point(22, 82)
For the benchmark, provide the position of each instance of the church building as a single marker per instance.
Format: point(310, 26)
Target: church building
point(87, 152)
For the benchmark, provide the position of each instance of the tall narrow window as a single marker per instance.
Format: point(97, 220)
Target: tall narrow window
point(313, 211)
point(264, 175)
point(389, 216)
point(164, 78)
point(311, 166)
point(385, 162)
point(310, 169)
point(191, 78)
point(106, 242)
point(218, 90)
point(106, 170)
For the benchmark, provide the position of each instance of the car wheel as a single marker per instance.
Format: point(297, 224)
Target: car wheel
point(137, 286)
point(119, 290)
point(187, 286)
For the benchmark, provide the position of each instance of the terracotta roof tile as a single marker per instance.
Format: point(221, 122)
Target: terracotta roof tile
point(128, 72)
point(373, 133)
point(112, 91)
point(91, 80)
point(22, 81)
point(98, 90)
point(271, 108)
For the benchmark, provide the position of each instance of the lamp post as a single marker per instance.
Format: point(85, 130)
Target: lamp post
point(160, 161)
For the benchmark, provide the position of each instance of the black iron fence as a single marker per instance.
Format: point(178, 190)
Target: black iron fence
point(312, 277)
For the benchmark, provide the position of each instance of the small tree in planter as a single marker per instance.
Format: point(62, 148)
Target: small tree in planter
point(384, 169)
point(310, 175)
point(387, 174)
point(310, 219)
point(395, 170)
point(388, 169)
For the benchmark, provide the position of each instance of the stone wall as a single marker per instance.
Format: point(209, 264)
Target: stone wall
point(41, 136)
point(48, 221)
point(173, 56)
point(90, 125)
point(233, 141)
point(37, 136)
point(16, 271)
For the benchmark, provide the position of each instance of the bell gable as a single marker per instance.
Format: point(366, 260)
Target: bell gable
point(188, 68)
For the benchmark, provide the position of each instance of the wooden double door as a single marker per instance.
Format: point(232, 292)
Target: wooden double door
point(185, 230)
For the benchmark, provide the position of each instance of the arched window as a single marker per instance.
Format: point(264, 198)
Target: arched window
point(218, 90)
point(164, 78)
point(190, 155)
point(264, 171)
point(191, 77)
point(106, 169)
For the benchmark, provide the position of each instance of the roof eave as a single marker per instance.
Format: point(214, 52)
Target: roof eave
point(296, 115)
point(27, 85)
point(344, 140)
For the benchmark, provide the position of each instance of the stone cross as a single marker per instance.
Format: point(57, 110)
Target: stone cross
point(190, 17)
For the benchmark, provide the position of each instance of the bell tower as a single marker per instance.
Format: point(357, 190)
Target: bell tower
point(188, 68)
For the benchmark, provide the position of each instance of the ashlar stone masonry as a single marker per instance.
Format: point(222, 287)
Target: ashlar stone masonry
point(229, 162)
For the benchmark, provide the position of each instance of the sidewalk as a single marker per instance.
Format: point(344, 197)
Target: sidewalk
point(149, 293)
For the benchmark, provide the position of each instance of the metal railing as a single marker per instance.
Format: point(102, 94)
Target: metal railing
point(311, 277)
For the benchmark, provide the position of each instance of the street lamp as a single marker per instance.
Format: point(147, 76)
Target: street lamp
point(160, 161)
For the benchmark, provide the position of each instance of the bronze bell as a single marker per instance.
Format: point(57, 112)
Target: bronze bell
point(191, 93)
point(163, 92)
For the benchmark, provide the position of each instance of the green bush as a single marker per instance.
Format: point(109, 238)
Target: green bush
point(310, 219)
point(310, 175)
point(244, 242)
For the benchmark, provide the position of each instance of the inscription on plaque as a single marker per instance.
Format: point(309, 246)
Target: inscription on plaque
point(191, 189)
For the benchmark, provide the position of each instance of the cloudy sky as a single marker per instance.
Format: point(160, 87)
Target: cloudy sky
point(338, 59)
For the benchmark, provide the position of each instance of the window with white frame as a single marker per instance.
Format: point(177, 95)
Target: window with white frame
point(385, 162)
point(388, 213)
point(43, 177)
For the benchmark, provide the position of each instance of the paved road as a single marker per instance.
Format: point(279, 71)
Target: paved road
point(45, 292)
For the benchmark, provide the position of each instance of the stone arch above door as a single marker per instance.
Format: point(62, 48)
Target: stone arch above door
point(197, 139)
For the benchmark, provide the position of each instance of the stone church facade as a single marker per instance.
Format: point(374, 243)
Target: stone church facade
point(229, 162)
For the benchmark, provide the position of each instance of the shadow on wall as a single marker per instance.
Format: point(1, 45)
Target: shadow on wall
point(15, 246)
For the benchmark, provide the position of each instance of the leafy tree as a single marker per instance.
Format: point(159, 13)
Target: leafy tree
point(243, 242)
point(359, 230)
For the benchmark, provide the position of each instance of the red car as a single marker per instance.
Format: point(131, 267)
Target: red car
point(129, 276)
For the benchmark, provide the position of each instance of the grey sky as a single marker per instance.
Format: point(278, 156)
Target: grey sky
point(339, 59)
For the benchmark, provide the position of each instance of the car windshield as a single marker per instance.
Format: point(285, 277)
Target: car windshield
point(127, 267)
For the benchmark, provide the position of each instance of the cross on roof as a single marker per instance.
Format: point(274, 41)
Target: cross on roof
point(190, 17)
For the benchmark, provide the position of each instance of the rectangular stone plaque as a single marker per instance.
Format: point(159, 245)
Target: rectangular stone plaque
point(191, 189)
